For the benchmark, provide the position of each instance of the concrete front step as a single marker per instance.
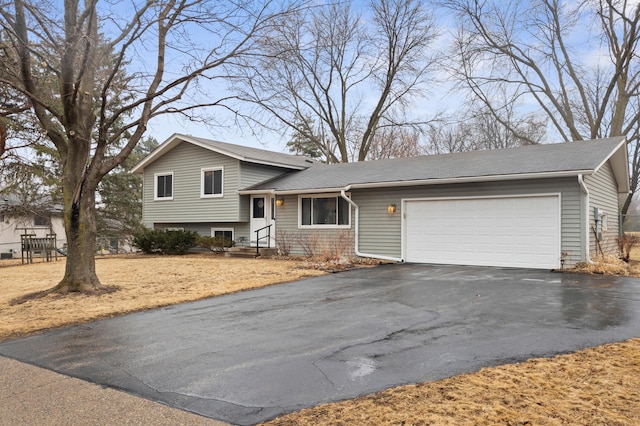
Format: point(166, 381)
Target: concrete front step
point(250, 252)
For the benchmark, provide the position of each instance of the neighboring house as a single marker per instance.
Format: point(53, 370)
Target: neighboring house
point(16, 221)
point(114, 237)
point(543, 206)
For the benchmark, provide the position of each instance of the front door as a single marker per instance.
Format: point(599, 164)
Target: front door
point(262, 214)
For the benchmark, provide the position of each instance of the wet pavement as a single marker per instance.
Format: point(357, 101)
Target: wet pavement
point(251, 356)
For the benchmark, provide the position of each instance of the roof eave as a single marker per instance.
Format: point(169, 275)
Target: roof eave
point(169, 143)
point(176, 138)
point(618, 157)
point(420, 182)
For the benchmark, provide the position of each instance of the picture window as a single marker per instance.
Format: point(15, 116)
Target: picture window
point(330, 211)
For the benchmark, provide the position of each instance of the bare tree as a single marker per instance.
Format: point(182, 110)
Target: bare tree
point(95, 72)
point(587, 86)
point(352, 74)
point(16, 123)
point(478, 129)
point(396, 142)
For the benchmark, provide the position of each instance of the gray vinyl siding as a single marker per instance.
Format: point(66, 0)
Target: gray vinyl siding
point(603, 194)
point(240, 230)
point(253, 174)
point(381, 233)
point(287, 229)
point(185, 161)
point(245, 204)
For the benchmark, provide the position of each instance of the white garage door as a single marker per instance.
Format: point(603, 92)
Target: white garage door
point(515, 231)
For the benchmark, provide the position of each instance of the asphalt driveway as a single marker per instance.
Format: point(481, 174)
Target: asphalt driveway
point(251, 356)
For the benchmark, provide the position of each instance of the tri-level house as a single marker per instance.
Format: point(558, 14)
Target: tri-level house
point(544, 206)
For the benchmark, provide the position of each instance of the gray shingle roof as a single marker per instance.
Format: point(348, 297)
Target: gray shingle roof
point(35, 203)
point(540, 160)
point(256, 155)
point(243, 153)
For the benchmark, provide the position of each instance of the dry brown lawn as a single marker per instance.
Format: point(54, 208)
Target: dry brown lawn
point(597, 386)
point(144, 282)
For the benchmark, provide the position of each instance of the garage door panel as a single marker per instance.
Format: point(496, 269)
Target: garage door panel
point(510, 231)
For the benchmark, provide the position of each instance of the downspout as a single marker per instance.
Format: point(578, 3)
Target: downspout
point(585, 190)
point(343, 194)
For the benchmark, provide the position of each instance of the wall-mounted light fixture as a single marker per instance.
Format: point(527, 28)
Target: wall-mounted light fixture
point(391, 209)
point(279, 202)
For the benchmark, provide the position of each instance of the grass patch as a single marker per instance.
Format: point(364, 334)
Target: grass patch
point(597, 386)
point(142, 282)
point(608, 265)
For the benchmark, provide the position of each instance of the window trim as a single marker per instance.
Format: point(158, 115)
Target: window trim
point(212, 169)
point(46, 221)
point(155, 186)
point(233, 232)
point(322, 226)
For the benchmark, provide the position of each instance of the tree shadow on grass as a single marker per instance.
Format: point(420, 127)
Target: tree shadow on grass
point(103, 289)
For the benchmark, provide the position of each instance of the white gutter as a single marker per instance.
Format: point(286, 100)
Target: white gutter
point(288, 192)
point(420, 182)
point(585, 190)
point(470, 179)
point(343, 194)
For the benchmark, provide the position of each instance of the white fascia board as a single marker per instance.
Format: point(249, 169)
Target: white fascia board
point(289, 192)
point(240, 157)
point(614, 151)
point(256, 191)
point(620, 166)
point(473, 179)
point(176, 138)
point(387, 184)
point(172, 141)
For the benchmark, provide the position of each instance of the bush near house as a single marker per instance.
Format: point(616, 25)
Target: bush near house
point(626, 243)
point(215, 244)
point(157, 241)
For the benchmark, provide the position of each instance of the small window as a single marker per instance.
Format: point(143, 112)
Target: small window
point(212, 182)
point(273, 208)
point(164, 186)
point(318, 211)
point(41, 221)
point(258, 208)
point(225, 233)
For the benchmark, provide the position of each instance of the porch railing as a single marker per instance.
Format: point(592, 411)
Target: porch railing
point(258, 237)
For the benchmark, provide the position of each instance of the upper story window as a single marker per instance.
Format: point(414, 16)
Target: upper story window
point(163, 186)
point(324, 211)
point(212, 182)
point(39, 220)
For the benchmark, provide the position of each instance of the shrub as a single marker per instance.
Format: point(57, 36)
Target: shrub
point(284, 242)
point(337, 247)
point(326, 248)
point(626, 243)
point(217, 244)
point(308, 243)
point(164, 242)
point(605, 265)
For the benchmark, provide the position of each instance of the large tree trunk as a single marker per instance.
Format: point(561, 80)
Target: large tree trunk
point(80, 229)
